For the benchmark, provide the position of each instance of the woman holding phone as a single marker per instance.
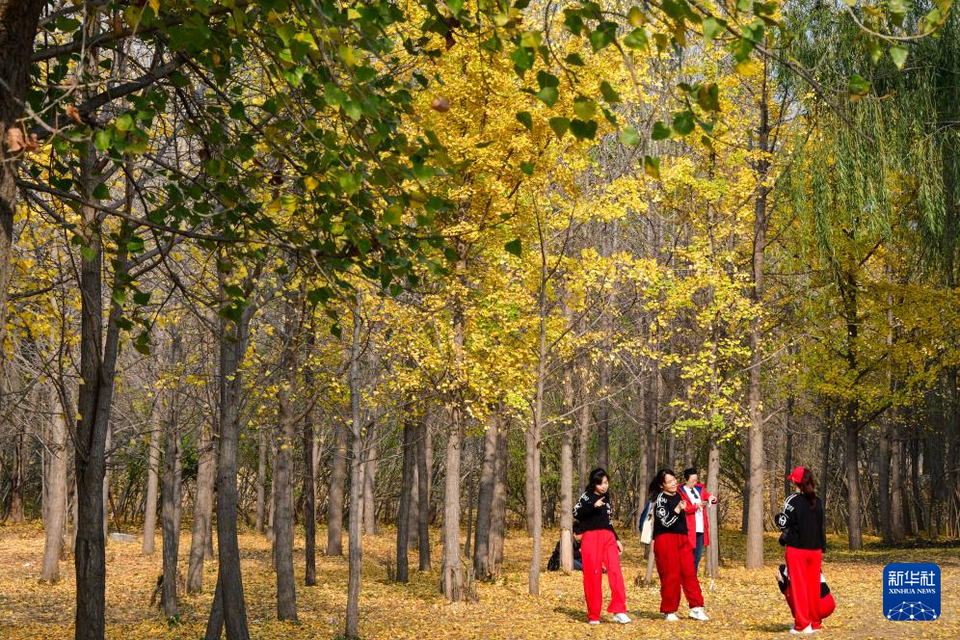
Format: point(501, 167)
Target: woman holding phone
point(698, 526)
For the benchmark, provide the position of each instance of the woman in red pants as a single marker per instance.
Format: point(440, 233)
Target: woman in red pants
point(805, 538)
point(600, 548)
point(672, 549)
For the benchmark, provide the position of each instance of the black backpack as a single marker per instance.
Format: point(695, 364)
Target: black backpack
point(553, 564)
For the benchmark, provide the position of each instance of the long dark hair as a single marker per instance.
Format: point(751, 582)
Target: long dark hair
point(808, 488)
point(596, 477)
point(656, 485)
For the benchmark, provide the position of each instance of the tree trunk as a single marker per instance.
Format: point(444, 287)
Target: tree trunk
point(309, 486)
point(202, 511)
point(713, 486)
point(481, 548)
point(54, 494)
point(788, 450)
point(896, 491)
point(16, 481)
point(283, 475)
point(451, 576)
point(18, 29)
point(355, 562)
point(566, 462)
point(851, 447)
point(498, 504)
point(756, 464)
point(98, 359)
point(583, 432)
point(424, 461)
point(406, 496)
point(231, 603)
point(170, 520)
point(338, 480)
point(261, 480)
point(369, 486)
point(153, 463)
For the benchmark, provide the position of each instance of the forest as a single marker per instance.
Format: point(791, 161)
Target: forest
point(314, 312)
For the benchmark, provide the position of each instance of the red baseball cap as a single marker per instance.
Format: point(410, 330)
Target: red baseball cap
point(796, 475)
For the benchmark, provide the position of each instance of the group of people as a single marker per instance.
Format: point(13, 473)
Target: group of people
point(680, 532)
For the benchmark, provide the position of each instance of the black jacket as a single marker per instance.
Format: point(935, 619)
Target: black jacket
point(802, 525)
point(589, 518)
point(665, 519)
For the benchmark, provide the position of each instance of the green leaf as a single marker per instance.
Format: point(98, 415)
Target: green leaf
point(630, 137)
point(545, 79)
point(708, 97)
point(456, 6)
point(527, 168)
point(124, 122)
point(119, 296)
point(575, 60)
point(549, 95)
point(525, 119)
point(522, 59)
point(584, 108)
point(515, 247)
point(141, 297)
point(102, 140)
point(609, 93)
point(583, 130)
point(635, 17)
point(559, 125)
point(660, 131)
point(712, 27)
point(636, 39)
point(858, 86)
point(101, 192)
point(602, 35)
point(899, 56)
point(744, 5)
point(683, 122)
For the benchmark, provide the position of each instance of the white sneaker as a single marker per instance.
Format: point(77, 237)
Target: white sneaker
point(809, 629)
point(697, 613)
point(594, 622)
point(622, 618)
point(672, 617)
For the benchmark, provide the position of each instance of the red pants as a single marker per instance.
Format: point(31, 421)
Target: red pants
point(674, 557)
point(599, 550)
point(803, 566)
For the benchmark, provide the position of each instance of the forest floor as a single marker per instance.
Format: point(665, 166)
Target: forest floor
point(741, 604)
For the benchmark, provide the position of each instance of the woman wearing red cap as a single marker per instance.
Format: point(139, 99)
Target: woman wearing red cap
point(805, 539)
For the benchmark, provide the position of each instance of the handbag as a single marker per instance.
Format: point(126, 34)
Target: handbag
point(646, 527)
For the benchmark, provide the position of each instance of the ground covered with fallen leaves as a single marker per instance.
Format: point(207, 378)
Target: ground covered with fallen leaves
point(741, 604)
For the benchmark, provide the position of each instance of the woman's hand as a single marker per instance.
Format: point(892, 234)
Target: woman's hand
point(679, 507)
point(599, 503)
point(620, 547)
point(713, 499)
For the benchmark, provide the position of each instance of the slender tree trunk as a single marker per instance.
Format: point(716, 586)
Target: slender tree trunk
point(755, 479)
point(406, 496)
point(202, 511)
point(170, 521)
point(356, 484)
point(498, 504)
point(451, 576)
point(851, 446)
point(423, 494)
point(153, 463)
point(16, 482)
point(231, 603)
point(896, 489)
point(369, 487)
point(261, 480)
point(566, 461)
point(713, 487)
point(309, 485)
point(283, 475)
point(481, 547)
point(54, 494)
point(788, 449)
point(98, 358)
point(583, 433)
point(338, 481)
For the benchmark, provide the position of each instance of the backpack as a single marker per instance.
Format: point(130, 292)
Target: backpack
point(554, 563)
